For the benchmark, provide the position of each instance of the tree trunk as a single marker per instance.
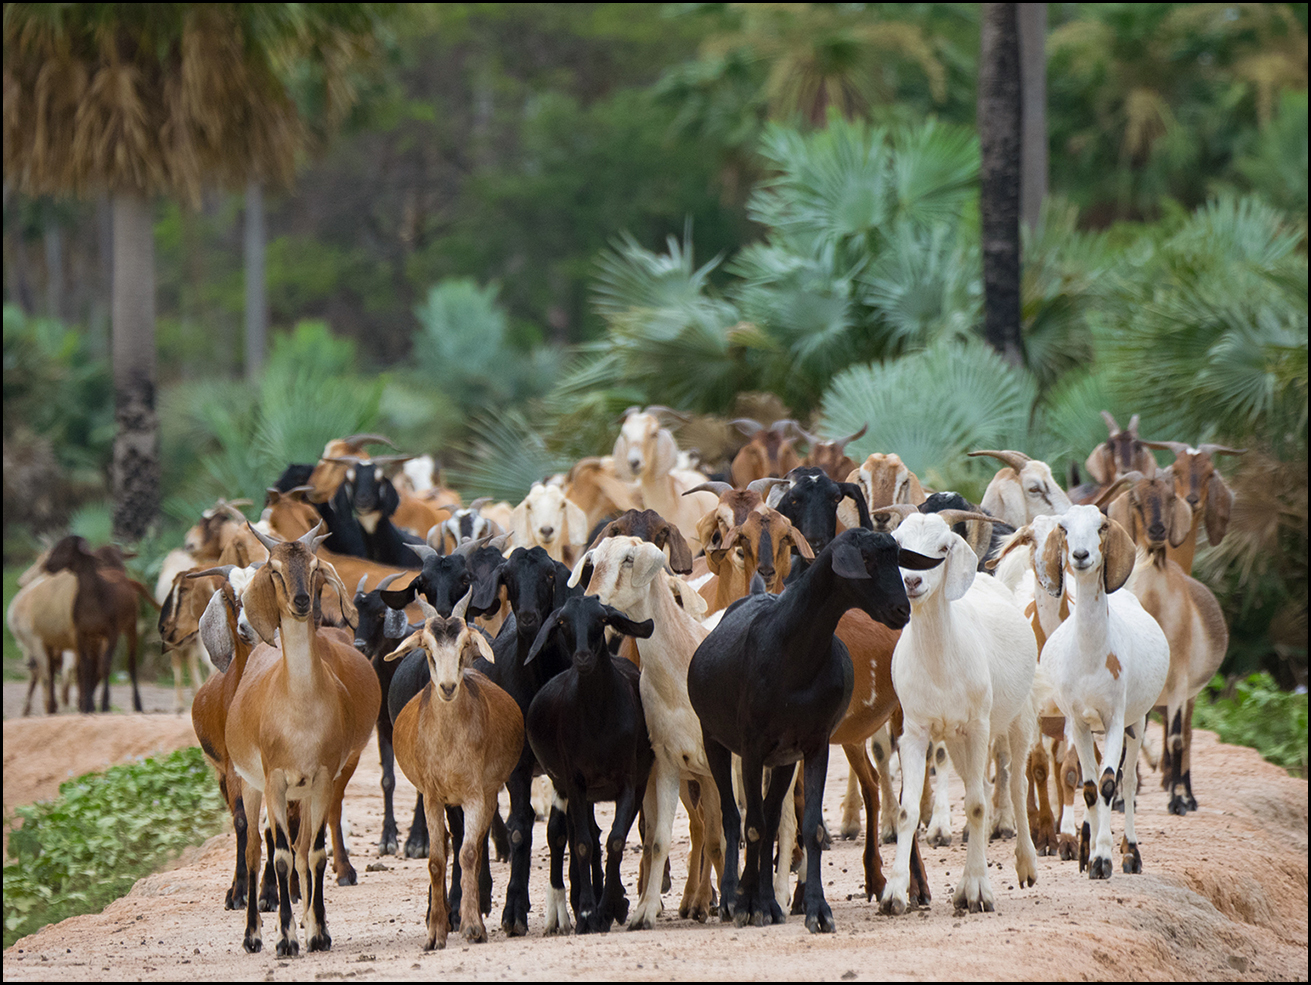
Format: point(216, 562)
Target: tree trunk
point(136, 441)
point(999, 195)
point(1033, 79)
point(257, 308)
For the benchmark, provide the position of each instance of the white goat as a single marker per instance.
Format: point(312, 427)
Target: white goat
point(40, 618)
point(1106, 664)
point(963, 670)
point(645, 453)
point(548, 519)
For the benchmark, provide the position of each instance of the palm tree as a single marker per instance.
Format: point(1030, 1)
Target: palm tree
point(138, 100)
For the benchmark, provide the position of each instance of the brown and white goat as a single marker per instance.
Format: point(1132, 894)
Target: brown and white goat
point(1199, 483)
point(645, 453)
point(1186, 609)
point(301, 715)
point(40, 617)
point(548, 519)
point(458, 741)
point(768, 453)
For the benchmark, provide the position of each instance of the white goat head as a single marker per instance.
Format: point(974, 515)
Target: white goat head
point(1085, 539)
point(930, 534)
point(451, 645)
point(644, 449)
point(547, 519)
point(1022, 491)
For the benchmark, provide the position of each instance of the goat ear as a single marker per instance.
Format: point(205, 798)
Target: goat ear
point(411, 642)
point(259, 604)
point(1117, 556)
point(543, 638)
point(582, 568)
point(575, 523)
point(1123, 512)
point(520, 532)
point(620, 454)
point(485, 591)
point(798, 541)
point(962, 566)
point(691, 600)
point(1050, 566)
point(216, 631)
point(641, 630)
point(706, 528)
point(914, 491)
point(348, 611)
point(914, 561)
point(1219, 502)
point(680, 554)
point(399, 598)
point(645, 565)
point(1181, 522)
point(394, 624)
point(1097, 465)
point(857, 495)
point(476, 646)
point(666, 452)
point(1018, 539)
point(847, 561)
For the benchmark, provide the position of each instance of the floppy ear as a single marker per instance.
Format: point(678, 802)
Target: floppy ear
point(621, 458)
point(520, 532)
point(628, 627)
point(914, 561)
point(962, 566)
point(666, 453)
point(394, 624)
point(646, 564)
point(575, 523)
point(914, 491)
point(680, 554)
point(857, 495)
point(847, 561)
point(411, 642)
point(1219, 501)
point(544, 636)
point(348, 611)
point(798, 541)
point(399, 598)
point(706, 529)
point(475, 645)
point(485, 591)
point(1050, 567)
point(693, 604)
point(1097, 465)
point(259, 603)
point(1123, 512)
point(1181, 522)
point(581, 568)
point(1117, 557)
point(216, 631)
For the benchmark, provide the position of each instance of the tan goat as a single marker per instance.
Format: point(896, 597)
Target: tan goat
point(301, 715)
point(458, 741)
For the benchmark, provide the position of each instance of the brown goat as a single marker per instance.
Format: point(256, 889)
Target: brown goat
point(105, 608)
point(769, 453)
point(1200, 484)
point(831, 456)
point(458, 741)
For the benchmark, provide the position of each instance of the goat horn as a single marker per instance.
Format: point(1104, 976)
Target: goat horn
point(1110, 422)
point(500, 540)
point(718, 488)
point(359, 589)
point(428, 611)
point(389, 579)
point(1015, 459)
point(224, 570)
point(954, 517)
point(462, 606)
point(235, 513)
point(1209, 449)
point(478, 503)
point(1133, 425)
point(368, 439)
point(423, 551)
point(393, 459)
point(343, 460)
point(658, 409)
point(841, 445)
point(1178, 447)
point(748, 426)
point(268, 542)
point(1110, 491)
point(466, 549)
point(804, 435)
point(762, 486)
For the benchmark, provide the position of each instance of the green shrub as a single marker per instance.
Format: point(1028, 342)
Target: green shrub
point(1260, 715)
point(82, 851)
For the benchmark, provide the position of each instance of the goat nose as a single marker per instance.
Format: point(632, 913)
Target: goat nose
point(546, 532)
point(1156, 531)
point(1193, 499)
point(301, 601)
point(634, 463)
point(913, 581)
point(448, 691)
point(1080, 555)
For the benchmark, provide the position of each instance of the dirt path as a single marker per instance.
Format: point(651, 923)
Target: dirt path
point(1224, 896)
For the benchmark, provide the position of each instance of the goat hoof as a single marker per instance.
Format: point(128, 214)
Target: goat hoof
point(253, 945)
point(1099, 868)
point(1002, 833)
point(436, 944)
point(320, 942)
point(348, 878)
point(1067, 848)
point(850, 832)
point(890, 838)
point(893, 907)
point(288, 948)
point(941, 839)
point(821, 922)
point(1133, 862)
point(388, 845)
point(235, 899)
point(1178, 806)
point(416, 848)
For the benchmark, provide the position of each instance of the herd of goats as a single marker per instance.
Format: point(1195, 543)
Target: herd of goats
point(641, 633)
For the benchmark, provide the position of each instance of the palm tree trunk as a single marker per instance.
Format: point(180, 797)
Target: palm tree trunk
point(1000, 119)
point(257, 316)
point(136, 441)
point(1033, 79)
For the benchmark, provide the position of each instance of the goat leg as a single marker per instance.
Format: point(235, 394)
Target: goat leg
point(416, 845)
point(388, 843)
point(341, 863)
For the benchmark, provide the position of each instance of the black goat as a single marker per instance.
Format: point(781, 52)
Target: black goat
point(345, 535)
point(811, 501)
point(770, 683)
point(587, 729)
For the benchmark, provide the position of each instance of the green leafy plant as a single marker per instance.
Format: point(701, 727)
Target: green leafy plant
point(105, 831)
point(1260, 715)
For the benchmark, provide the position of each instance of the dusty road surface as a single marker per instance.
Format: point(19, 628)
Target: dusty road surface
point(1223, 896)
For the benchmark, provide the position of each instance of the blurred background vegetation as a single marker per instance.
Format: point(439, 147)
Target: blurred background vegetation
point(534, 216)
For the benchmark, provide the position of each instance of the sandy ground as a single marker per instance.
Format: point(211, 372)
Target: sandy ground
point(1223, 896)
